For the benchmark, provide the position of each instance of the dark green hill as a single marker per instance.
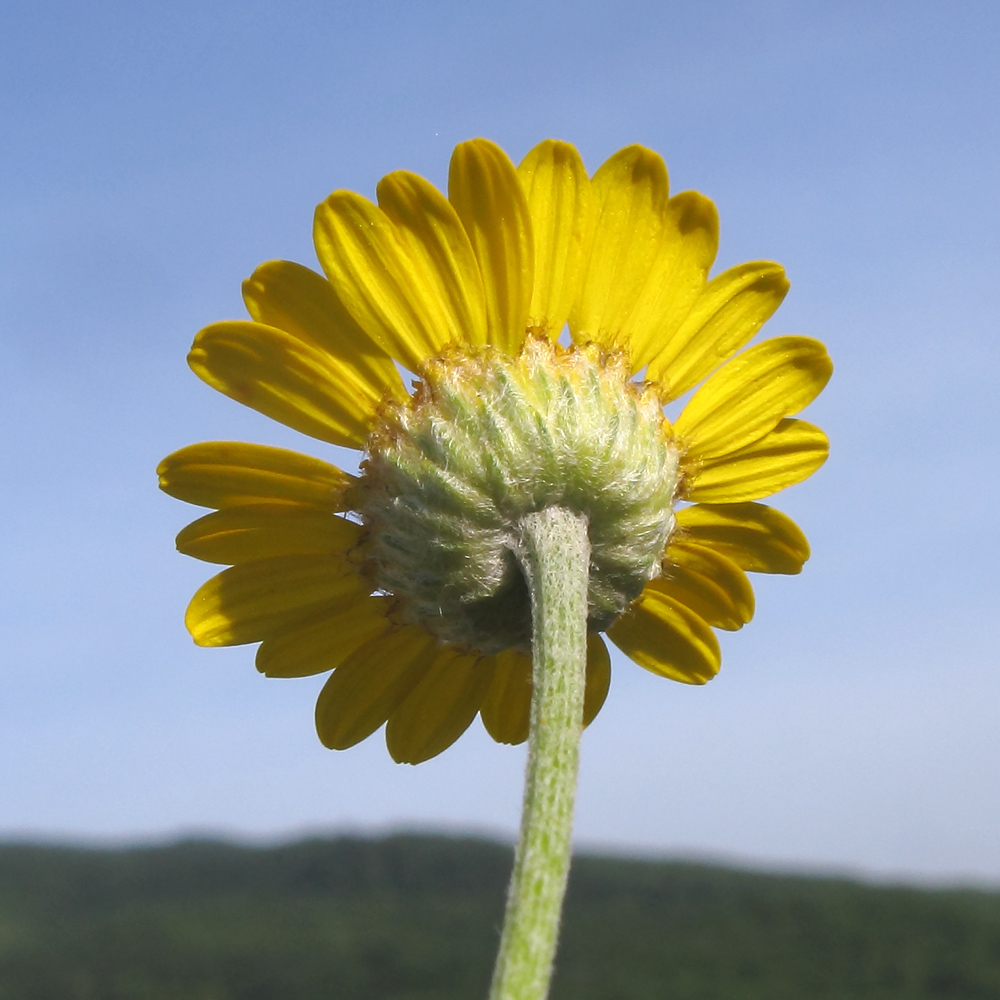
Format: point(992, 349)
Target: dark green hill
point(416, 918)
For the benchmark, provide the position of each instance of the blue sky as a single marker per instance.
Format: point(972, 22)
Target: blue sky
point(153, 155)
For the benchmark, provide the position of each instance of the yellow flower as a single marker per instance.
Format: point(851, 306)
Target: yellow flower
point(470, 293)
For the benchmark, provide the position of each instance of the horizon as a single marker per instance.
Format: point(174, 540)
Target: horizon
point(693, 857)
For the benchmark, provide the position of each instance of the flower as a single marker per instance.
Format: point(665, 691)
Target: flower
point(399, 580)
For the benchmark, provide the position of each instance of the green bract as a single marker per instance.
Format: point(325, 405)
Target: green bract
point(489, 438)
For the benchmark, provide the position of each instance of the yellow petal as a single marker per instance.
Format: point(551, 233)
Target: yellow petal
point(371, 683)
point(440, 708)
point(377, 279)
point(631, 191)
point(226, 473)
point(483, 187)
point(290, 380)
point(444, 266)
point(563, 214)
point(664, 636)
point(249, 602)
point(258, 531)
point(757, 538)
point(729, 311)
point(690, 243)
point(598, 677)
point(708, 583)
point(323, 642)
point(793, 451)
point(746, 398)
point(301, 302)
point(506, 709)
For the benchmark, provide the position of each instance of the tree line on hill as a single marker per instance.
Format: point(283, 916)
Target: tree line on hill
point(417, 918)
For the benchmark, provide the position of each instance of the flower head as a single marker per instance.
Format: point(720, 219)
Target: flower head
point(401, 581)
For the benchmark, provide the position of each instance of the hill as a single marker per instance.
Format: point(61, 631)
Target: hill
point(417, 918)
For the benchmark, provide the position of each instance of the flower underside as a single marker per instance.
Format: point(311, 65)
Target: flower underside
point(488, 439)
point(404, 583)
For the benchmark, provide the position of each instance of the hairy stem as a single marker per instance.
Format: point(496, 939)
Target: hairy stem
point(555, 558)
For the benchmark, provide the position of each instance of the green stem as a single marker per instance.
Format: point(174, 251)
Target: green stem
point(555, 558)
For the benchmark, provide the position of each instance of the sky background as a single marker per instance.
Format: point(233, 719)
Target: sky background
point(151, 155)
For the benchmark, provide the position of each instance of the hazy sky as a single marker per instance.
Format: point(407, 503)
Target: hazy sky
point(151, 155)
